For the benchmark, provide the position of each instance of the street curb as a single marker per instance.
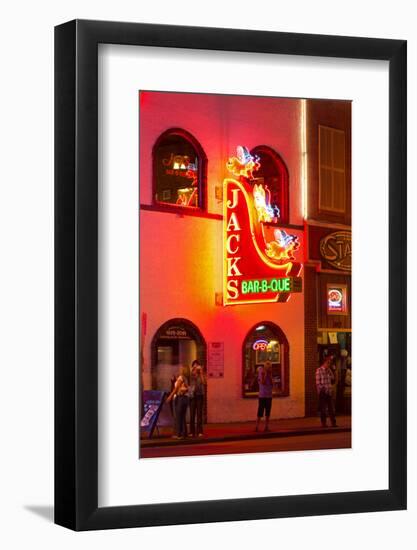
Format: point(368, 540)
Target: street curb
point(150, 443)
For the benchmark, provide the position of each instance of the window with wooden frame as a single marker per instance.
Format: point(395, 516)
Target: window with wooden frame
point(332, 170)
point(179, 171)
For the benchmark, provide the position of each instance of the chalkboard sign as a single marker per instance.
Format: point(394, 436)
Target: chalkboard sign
point(151, 406)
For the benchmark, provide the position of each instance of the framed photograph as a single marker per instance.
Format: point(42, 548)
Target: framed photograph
point(230, 247)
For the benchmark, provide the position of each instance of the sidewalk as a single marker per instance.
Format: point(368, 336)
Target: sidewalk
point(235, 431)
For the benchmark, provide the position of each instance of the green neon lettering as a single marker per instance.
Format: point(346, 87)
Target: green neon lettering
point(265, 285)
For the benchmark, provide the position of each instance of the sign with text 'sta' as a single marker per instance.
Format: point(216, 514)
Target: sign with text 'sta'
point(259, 256)
point(336, 248)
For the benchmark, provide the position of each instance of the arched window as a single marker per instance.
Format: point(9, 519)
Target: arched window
point(179, 170)
point(265, 342)
point(273, 173)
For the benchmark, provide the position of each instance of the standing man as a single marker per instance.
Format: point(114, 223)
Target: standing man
point(324, 382)
point(197, 390)
point(265, 394)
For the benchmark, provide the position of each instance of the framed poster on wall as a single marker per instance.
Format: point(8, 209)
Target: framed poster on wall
point(193, 211)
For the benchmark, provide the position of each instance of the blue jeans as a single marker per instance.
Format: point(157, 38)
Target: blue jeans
point(326, 407)
point(196, 408)
point(181, 405)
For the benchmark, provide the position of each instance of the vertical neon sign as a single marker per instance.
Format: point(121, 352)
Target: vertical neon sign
point(259, 256)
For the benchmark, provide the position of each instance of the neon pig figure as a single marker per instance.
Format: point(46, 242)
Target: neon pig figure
point(263, 207)
point(232, 247)
point(244, 164)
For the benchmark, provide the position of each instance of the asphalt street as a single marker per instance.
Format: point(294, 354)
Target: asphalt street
point(325, 440)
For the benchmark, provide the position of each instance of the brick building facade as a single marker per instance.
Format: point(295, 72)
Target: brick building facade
point(327, 221)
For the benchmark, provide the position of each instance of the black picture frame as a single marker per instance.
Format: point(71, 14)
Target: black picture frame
point(76, 271)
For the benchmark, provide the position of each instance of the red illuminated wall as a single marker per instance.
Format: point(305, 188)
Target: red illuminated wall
point(181, 256)
point(220, 123)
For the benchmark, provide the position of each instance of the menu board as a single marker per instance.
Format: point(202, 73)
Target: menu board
point(152, 404)
point(215, 362)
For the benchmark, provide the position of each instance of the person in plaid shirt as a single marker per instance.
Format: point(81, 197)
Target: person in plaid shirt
point(324, 381)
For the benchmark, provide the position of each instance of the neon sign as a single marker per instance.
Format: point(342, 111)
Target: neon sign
point(179, 162)
point(336, 300)
point(260, 345)
point(262, 199)
point(181, 166)
point(244, 164)
point(259, 257)
point(284, 284)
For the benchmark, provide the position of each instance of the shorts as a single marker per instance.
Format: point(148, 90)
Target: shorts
point(264, 404)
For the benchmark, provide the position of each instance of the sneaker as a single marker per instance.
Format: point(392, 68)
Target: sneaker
point(200, 435)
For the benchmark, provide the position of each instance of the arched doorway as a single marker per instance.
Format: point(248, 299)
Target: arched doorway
point(265, 342)
point(176, 343)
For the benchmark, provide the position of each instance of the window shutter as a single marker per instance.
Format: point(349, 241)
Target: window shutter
point(332, 177)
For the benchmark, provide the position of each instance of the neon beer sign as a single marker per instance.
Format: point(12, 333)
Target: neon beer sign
point(336, 299)
point(259, 256)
